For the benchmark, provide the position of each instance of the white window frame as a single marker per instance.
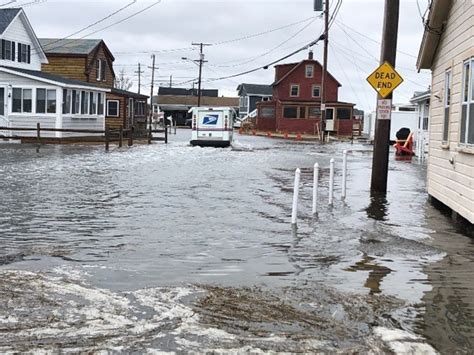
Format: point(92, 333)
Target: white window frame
point(467, 101)
point(448, 78)
point(118, 108)
point(297, 86)
point(309, 66)
point(312, 91)
point(22, 99)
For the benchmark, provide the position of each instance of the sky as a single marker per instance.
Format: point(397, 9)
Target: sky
point(245, 34)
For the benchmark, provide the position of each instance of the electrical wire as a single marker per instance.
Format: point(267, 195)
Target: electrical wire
point(91, 25)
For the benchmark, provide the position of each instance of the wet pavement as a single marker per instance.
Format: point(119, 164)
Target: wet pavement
point(179, 248)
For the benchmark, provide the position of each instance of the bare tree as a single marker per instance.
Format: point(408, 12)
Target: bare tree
point(123, 82)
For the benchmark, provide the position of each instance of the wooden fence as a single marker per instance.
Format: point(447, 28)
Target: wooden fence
point(106, 136)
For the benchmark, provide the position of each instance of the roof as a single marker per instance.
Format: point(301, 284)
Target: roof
point(162, 90)
point(191, 101)
point(51, 78)
point(128, 93)
point(256, 89)
point(297, 65)
point(71, 46)
point(434, 28)
point(420, 96)
point(6, 17)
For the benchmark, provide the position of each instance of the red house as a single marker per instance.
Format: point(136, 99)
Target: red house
point(296, 102)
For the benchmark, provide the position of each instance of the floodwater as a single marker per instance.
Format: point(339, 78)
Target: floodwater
point(186, 249)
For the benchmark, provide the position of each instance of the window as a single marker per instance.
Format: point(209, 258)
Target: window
point(100, 103)
point(467, 103)
point(344, 113)
point(139, 108)
point(243, 101)
point(40, 100)
point(112, 108)
point(8, 50)
point(266, 99)
point(290, 112)
point(316, 91)
point(22, 100)
point(84, 102)
point(66, 101)
point(24, 53)
point(51, 101)
point(295, 90)
point(309, 71)
point(16, 100)
point(314, 112)
point(75, 102)
point(100, 69)
point(45, 101)
point(2, 101)
point(447, 102)
point(92, 103)
point(267, 112)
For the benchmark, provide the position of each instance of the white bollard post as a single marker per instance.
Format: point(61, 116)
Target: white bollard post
point(331, 181)
point(294, 211)
point(344, 174)
point(315, 188)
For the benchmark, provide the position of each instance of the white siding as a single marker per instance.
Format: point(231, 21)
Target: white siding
point(18, 33)
point(30, 120)
point(83, 122)
point(451, 166)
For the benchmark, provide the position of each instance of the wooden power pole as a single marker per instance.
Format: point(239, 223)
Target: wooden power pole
point(151, 93)
point(201, 62)
point(139, 72)
point(325, 69)
point(382, 127)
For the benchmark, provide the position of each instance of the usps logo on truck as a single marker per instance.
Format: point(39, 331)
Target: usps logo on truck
point(210, 120)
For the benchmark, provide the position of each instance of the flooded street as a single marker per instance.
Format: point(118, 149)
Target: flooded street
point(179, 248)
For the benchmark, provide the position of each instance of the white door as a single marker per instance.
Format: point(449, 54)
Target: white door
point(329, 119)
point(3, 112)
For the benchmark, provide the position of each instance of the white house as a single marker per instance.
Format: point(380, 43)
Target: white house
point(447, 49)
point(422, 102)
point(29, 96)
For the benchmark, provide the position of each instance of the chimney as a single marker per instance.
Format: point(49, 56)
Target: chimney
point(310, 55)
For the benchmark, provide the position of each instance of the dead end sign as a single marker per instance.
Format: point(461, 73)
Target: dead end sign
point(385, 79)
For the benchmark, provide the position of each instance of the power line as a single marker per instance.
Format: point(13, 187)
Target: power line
point(124, 19)
point(91, 25)
point(271, 50)
point(264, 32)
point(369, 38)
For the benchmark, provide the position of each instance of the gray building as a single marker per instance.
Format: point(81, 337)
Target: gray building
point(250, 95)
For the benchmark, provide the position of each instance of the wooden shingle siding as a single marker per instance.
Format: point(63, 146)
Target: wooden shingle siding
point(100, 53)
point(68, 67)
point(116, 122)
point(451, 166)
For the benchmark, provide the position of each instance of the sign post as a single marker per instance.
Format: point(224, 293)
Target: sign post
point(384, 80)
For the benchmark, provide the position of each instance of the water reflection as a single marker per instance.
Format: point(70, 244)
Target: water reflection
point(376, 273)
point(378, 207)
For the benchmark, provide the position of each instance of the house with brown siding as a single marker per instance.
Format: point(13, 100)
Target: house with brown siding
point(91, 61)
point(447, 49)
point(295, 105)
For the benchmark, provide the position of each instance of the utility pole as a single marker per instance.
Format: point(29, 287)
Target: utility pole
point(139, 72)
point(382, 127)
point(325, 70)
point(201, 62)
point(151, 93)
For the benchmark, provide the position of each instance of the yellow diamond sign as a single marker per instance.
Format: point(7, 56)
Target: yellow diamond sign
point(385, 79)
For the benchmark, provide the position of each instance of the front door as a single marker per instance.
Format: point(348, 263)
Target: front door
point(329, 119)
point(3, 112)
